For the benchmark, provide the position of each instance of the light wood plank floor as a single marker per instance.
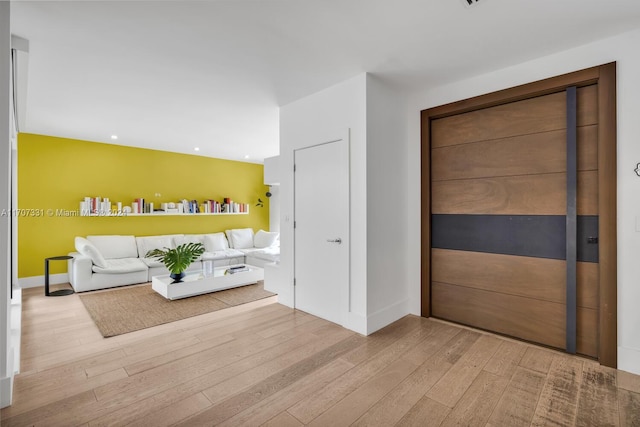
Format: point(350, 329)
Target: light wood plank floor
point(265, 364)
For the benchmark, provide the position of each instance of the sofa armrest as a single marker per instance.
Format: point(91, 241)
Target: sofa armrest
point(79, 268)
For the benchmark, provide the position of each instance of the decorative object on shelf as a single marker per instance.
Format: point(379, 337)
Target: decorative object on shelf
point(177, 260)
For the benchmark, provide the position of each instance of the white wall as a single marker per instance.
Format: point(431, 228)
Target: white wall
point(624, 50)
point(312, 120)
point(6, 351)
point(375, 113)
point(387, 198)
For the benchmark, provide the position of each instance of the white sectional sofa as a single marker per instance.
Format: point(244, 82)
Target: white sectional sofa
point(114, 260)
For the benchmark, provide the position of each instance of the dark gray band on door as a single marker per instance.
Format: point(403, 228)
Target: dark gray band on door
point(540, 236)
point(572, 220)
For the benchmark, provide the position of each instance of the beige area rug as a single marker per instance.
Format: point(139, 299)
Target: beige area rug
point(128, 309)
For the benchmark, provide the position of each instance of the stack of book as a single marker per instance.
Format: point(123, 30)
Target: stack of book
point(211, 206)
point(230, 206)
point(95, 206)
point(139, 206)
point(236, 269)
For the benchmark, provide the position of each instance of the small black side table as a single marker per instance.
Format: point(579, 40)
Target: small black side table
point(60, 292)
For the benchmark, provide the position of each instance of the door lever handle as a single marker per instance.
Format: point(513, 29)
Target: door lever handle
point(337, 240)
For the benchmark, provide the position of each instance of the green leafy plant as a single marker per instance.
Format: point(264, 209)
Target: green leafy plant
point(177, 260)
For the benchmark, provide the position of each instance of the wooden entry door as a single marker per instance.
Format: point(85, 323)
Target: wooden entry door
point(497, 248)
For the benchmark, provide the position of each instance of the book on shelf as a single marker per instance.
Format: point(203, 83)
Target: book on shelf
point(97, 206)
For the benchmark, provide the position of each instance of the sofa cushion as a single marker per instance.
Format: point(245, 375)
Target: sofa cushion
point(215, 242)
point(121, 265)
point(242, 238)
point(271, 254)
point(265, 239)
point(113, 247)
point(87, 248)
point(149, 243)
point(188, 238)
point(216, 255)
point(151, 262)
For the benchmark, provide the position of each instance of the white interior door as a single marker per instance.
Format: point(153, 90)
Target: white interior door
point(322, 230)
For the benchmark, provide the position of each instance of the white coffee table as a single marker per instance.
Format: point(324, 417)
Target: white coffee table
point(196, 283)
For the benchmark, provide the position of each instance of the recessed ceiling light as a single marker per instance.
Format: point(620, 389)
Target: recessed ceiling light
point(196, 149)
point(246, 156)
point(114, 136)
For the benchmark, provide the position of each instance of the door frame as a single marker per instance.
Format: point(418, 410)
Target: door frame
point(605, 77)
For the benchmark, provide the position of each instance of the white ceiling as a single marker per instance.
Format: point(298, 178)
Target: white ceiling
point(174, 75)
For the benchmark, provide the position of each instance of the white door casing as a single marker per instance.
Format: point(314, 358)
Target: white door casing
point(321, 233)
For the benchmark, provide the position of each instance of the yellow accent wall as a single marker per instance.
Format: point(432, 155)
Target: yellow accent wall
point(55, 174)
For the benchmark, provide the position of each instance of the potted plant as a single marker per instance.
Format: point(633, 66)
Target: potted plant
point(177, 260)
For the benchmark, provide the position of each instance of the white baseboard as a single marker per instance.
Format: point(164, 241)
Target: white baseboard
point(16, 327)
point(6, 391)
point(35, 281)
point(387, 315)
point(629, 360)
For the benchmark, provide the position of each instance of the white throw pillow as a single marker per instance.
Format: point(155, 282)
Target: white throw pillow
point(114, 246)
point(87, 248)
point(265, 239)
point(242, 238)
point(228, 234)
point(215, 242)
point(149, 243)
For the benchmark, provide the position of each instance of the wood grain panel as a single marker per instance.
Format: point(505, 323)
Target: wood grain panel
point(587, 197)
point(533, 115)
point(587, 145)
point(425, 213)
point(587, 105)
point(581, 78)
point(521, 155)
point(515, 195)
point(587, 331)
point(607, 135)
point(540, 114)
point(587, 280)
point(538, 278)
point(596, 113)
point(526, 318)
